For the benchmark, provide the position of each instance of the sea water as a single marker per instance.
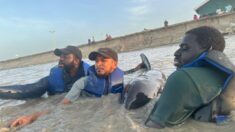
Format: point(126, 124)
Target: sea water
point(103, 114)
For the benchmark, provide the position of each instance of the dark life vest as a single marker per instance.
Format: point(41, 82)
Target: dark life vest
point(56, 79)
point(225, 102)
point(98, 85)
point(214, 58)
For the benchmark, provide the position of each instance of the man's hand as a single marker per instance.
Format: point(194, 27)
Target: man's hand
point(25, 120)
point(65, 101)
point(22, 121)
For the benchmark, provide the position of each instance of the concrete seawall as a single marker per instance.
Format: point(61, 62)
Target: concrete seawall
point(146, 39)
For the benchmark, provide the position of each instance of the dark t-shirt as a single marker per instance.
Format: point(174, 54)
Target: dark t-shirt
point(106, 88)
point(185, 91)
point(69, 80)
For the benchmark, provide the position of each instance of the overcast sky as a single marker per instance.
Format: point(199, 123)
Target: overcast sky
point(34, 26)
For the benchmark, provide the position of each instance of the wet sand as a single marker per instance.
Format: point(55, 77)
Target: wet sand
point(101, 115)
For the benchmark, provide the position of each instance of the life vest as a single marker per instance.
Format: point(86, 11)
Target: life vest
point(215, 59)
point(225, 102)
point(96, 85)
point(56, 80)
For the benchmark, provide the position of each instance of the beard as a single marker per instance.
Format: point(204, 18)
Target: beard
point(67, 67)
point(60, 64)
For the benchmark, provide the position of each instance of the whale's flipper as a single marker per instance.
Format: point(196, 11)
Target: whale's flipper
point(143, 65)
point(145, 62)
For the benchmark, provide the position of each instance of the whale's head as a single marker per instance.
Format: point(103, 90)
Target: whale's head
point(137, 95)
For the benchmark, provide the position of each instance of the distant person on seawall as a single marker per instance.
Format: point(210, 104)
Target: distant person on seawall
point(165, 23)
point(108, 37)
point(195, 17)
point(93, 40)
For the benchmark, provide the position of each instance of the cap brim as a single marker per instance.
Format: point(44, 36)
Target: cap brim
point(59, 52)
point(92, 55)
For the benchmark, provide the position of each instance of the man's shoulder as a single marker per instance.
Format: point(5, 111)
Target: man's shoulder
point(83, 79)
point(201, 71)
point(180, 79)
point(202, 74)
point(191, 77)
point(56, 67)
point(196, 70)
point(191, 72)
point(56, 70)
point(179, 73)
point(119, 69)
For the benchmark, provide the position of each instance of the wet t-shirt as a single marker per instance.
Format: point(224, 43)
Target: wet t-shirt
point(69, 80)
point(185, 91)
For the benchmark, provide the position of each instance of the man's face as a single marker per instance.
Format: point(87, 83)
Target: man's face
point(188, 51)
point(104, 66)
point(67, 61)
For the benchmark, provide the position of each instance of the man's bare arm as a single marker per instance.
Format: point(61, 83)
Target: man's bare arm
point(25, 120)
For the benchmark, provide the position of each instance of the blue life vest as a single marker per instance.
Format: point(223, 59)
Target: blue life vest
point(56, 80)
point(97, 85)
point(204, 60)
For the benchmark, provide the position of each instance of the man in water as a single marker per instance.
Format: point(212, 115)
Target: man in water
point(203, 74)
point(103, 78)
point(71, 67)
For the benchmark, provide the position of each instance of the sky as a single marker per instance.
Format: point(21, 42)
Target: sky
point(34, 26)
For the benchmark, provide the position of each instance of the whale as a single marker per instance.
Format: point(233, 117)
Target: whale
point(146, 86)
point(140, 90)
